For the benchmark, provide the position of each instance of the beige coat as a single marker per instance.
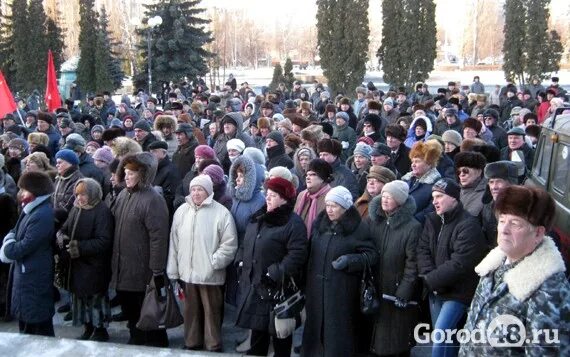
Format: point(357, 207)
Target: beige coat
point(203, 242)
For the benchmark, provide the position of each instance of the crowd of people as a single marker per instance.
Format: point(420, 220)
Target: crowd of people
point(232, 195)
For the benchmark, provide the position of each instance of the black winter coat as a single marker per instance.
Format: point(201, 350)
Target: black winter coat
point(168, 179)
point(275, 243)
point(449, 249)
point(89, 169)
point(276, 156)
point(184, 157)
point(396, 273)
point(333, 295)
point(93, 229)
point(402, 159)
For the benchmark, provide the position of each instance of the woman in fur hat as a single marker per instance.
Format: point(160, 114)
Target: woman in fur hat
point(29, 247)
point(86, 236)
point(424, 174)
point(523, 277)
point(166, 124)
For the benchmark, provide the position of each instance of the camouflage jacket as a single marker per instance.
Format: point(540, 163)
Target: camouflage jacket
point(533, 290)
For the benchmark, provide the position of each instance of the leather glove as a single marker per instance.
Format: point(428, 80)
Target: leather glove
point(274, 272)
point(73, 249)
point(284, 327)
point(340, 263)
point(401, 303)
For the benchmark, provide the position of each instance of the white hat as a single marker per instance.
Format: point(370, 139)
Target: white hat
point(340, 195)
point(235, 144)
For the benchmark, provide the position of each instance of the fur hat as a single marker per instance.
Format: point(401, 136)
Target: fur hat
point(473, 124)
point(531, 130)
point(396, 131)
point(453, 137)
point(176, 106)
point(330, 108)
point(40, 159)
point(344, 100)
point(374, 105)
point(490, 151)
point(469, 144)
point(282, 187)
point(286, 123)
point(37, 138)
point(361, 90)
point(331, 146)
point(327, 128)
point(341, 196)
point(204, 151)
point(123, 146)
point(203, 181)
point(67, 155)
point(215, 172)
point(306, 106)
point(506, 170)
point(470, 159)
point(18, 143)
point(112, 133)
point(264, 122)
point(429, 151)
point(165, 121)
point(298, 120)
point(197, 107)
point(531, 203)
point(381, 174)
point(36, 182)
point(374, 120)
point(293, 141)
point(47, 117)
point(448, 187)
point(399, 190)
point(322, 168)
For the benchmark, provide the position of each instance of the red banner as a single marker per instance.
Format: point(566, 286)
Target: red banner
point(52, 98)
point(7, 104)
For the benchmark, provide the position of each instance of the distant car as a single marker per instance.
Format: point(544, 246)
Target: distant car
point(550, 171)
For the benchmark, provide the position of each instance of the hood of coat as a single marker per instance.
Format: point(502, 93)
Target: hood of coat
point(404, 214)
point(92, 190)
point(122, 146)
point(147, 164)
point(530, 273)
point(238, 118)
point(347, 224)
point(253, 178)
point(305, 151)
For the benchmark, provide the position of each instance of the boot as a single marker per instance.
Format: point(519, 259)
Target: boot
point(87, 332)
point(245, 345)
point(64, 308)
point(100, 335)
point(119, 317)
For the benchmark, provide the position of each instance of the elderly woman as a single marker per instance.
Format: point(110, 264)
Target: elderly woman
point(274, 249)
point(395, 232)
point(341, 247)
point(424, 174)
point(198, 260)
point(301, 159)
point(523, 277)
point(87, 238)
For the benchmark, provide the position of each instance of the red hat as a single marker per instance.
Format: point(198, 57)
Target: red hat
point(282, 187)
point(204, 151)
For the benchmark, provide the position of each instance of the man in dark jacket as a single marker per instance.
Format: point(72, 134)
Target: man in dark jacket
point(491, 117)
point(518, 150)
point(276, 155)
point(510, 102)
point(184, 157)
point(143, 134)
point(399, 153)
point(45, 125)
point(450, 247)
point(450, 122)
point(232, 128)
point(167, 177)
point(330, 151)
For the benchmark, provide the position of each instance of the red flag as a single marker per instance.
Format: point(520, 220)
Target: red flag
point(52, 98)
point(7, 104)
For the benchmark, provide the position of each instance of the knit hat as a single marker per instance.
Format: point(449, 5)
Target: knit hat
point(277, 117)
point(204, 151)
point(343, 116)
point(381, 173)
point(282, 187)
point(389, 101)
point(448, 187)
point(470, 159)
point(97, 128)
point(235, 144)
point(103, 154)
point(339, 195)
point(380, 149)
point(215, 172)
point(396, 131)
point(331, 146)
point(399, 190)
point(36, 182)
point(93, 144)
point(490, 112)
point(531, 203)
point(453, 137)
point(506, 170)
point(75, 142)
point(67, 155)
point(159, 144)
point(322, 168)
point(18, 143)
point(277, 137)
point(203, 181)
point(186, 129)
point(363, 149)
point(143, 125)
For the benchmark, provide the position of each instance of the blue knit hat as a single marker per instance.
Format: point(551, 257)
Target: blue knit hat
point(363, 150)
point(67, 155)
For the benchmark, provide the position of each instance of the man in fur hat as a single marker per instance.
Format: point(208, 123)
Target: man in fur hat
point(524, 276)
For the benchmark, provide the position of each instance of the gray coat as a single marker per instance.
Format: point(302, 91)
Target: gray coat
point(472, 197)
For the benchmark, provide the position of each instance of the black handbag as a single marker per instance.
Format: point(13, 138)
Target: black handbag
point(159, 311)
point(290, 300)
point(369, 300)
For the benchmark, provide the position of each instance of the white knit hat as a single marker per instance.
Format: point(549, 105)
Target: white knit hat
point(399, 190)
point(340, 195)
point(204, 181)
point(235, 144)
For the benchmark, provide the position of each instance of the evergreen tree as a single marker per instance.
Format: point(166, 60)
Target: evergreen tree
point(54, 40)
point(408, 47)
point(86, 73)
point(108, 65)
point(342, 39)
point(277, 76)
point(530, 48)
point(33, 76)
point(178, 45)
point(7, 65)
point(288, 75)
point(20, 42)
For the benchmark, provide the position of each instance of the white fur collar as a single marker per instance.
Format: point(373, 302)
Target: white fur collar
point(528, 275)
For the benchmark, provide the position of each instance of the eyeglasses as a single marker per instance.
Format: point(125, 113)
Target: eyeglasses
point(463, 170)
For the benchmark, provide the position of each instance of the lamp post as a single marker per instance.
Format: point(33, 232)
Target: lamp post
point(152, 23)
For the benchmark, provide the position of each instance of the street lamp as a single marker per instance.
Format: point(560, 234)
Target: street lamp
point(152, 23)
